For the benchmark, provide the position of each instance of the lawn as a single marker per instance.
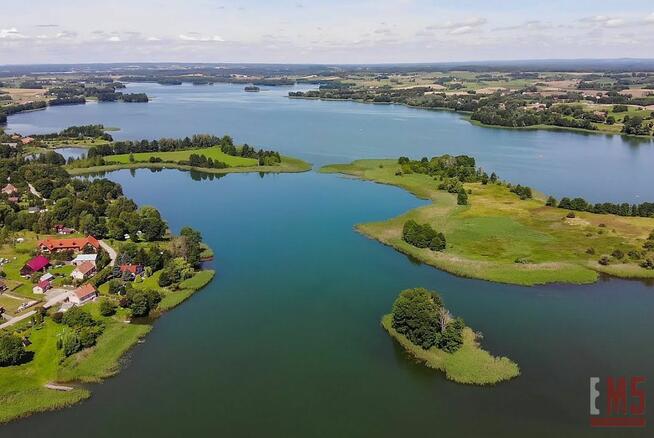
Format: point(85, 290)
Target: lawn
point(214, 153)
point(470, 364)
point(501, 238)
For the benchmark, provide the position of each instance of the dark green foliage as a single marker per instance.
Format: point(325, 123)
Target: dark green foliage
point(142, 303)
point(462, 198)
point(107, 308)
point(12, 351)
point(452, 338)
point(419, 315)
point(423, 236)
point(415, 315)
point(84, 330)
point(523, 192)
point(551, 202)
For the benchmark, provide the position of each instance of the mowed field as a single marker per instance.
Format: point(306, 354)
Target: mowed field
point(499, 237)
point(176, 156)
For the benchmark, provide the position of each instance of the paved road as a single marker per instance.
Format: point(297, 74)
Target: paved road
point(34, 191)
point(13, 321)
point(110, 251)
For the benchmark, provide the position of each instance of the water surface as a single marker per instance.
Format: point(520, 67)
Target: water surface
point(559, 163)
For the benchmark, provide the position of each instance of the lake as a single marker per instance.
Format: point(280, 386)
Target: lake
point(286, 340)
point(558, 163)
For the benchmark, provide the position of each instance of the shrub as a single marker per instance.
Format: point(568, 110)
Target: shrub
point(107, 308)
point(604, 260)
point(571, 215)
point(423, 236)
point(12, 351)
point(618, 254)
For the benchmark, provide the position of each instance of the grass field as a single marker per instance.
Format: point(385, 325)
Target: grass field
point(176, 156)
point(499, 237)
point(470, 364)
point(288, 165)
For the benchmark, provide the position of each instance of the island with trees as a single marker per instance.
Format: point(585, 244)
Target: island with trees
point(422, 325)
point(203, 152)
point(479, 226)
point(84, 271)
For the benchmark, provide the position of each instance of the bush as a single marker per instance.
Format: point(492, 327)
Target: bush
point(462, 198)
point(604, 261)
point(12, 351)
point(571, 215)
point(415, 315)
point(423, 236)
point(57, 317)
point(71, 343)
point(618, 254)
point(107, 308)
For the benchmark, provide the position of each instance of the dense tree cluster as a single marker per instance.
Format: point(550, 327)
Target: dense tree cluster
point(197, 160)
point(12, 350)
point(419, 315)
point(524, 192)
point(225, 143)
point(83, 331)
point(423, 236)
point(645, 209)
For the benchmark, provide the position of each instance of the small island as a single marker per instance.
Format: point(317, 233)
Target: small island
point(422, 325)
point(252, 89)
point(478, 226)
point(201, 152)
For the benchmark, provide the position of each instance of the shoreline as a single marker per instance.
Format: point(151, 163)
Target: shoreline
point(571, 268)
point(465, 115)
point(470, 365)
point(288, 165)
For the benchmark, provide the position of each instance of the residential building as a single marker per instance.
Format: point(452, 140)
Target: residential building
point(83, 294)
point(38, 263)
point(81, 258)
point(83, 271)
point(77, 244)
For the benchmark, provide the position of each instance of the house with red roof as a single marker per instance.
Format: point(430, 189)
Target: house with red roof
point(83, 294)
point(42, 287)
point(38, 263)
point(77, 244)
point(83, 270)
point(130, 271)
point(62, 229)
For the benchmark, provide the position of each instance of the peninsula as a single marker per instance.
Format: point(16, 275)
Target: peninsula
point(480, 227)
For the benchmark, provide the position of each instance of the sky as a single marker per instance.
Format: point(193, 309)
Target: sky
point(309, 31)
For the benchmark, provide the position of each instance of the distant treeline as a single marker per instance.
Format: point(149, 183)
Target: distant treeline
point(93, 131)
point(645, 209)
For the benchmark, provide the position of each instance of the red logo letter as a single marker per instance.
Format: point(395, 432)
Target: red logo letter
point(616, 398)
point(637, 409)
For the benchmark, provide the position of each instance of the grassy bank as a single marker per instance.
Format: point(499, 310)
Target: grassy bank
point(470, 364)
point(22, 390)
point(288, 165)
point(499, 237)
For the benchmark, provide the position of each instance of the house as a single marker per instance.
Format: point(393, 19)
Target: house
point(9, 189)
point(26, 140)
point(77, 244)
point(33, 210)
point(11, 145)
point(42, 287)
point(61, 229)
point(38, 263)
point(13, 199)
point(81, 258)
point(130, 271)
point(47, 277)
point(83, 271)
point(83, 294)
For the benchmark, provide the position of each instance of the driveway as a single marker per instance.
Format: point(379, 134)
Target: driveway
point(110, 251)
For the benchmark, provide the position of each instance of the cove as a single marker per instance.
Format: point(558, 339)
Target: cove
point(327, 132)
point(286, 340)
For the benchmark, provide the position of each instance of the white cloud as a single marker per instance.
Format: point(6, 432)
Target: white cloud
point(114, 39)
point(460, 27)
point(194, 36)
point(11, 34)
point(604, 20)
point(152, 39)
point(650, 18)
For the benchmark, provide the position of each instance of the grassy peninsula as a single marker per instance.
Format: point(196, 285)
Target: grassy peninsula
point(495, 235)
point(422, 325)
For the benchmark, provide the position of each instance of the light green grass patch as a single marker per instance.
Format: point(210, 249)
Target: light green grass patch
point(470, 364)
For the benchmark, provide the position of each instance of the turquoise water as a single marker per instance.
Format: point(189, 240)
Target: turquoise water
point(286, 341)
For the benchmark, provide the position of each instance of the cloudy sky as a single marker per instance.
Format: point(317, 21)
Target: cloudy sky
point(328, 31)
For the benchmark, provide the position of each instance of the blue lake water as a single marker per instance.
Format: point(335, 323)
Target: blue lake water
point(558, 163)
point(286, 341)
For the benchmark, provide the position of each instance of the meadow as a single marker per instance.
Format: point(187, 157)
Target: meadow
point(499, 237)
